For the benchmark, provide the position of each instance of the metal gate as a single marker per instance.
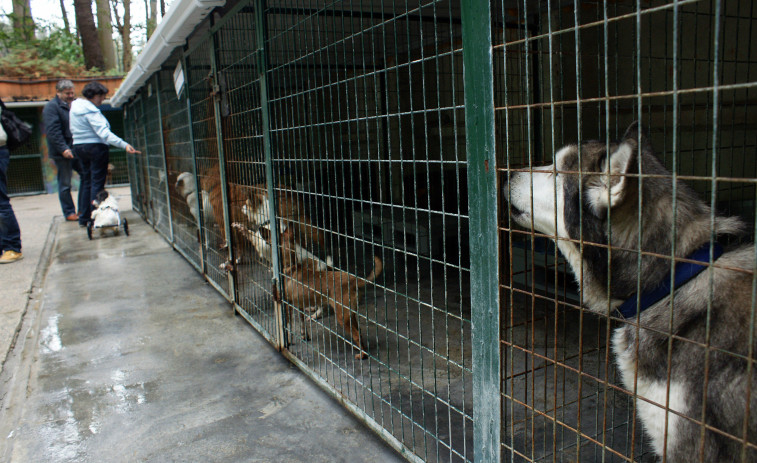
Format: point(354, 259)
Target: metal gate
point(339, 172)
point(25, 173)
point(585, 71)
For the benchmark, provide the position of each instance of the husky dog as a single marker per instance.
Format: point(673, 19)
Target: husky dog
point(687, 360)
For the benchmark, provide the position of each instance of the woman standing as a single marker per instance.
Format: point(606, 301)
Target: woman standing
point(92, 135)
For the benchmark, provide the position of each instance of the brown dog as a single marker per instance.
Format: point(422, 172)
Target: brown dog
point(307, 286)
point(210, 183)
point(252, 202)
point(290, 209)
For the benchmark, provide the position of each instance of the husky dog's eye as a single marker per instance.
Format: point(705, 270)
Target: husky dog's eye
point(602, 164)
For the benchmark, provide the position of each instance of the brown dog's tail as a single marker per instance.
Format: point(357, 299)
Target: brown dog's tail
point(378, 266)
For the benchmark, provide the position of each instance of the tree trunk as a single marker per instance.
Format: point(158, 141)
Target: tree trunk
point(124, 30)
point(105, 34)
point(65, 16)
point(126, 36)
point(85, 23)
point(23, 23)
point(152, 18)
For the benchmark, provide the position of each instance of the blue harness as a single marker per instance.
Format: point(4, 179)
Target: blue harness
point(684, 271)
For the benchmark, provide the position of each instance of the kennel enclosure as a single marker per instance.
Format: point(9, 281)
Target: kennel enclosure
point(369, 129)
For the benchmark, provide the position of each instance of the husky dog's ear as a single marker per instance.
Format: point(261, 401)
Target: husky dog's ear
point(637, 134)
point(621, 162)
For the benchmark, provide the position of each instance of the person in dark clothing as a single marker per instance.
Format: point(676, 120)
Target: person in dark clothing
point(10, 233)
point(60, 144)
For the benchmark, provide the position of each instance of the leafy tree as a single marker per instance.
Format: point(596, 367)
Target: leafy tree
point(53, 52)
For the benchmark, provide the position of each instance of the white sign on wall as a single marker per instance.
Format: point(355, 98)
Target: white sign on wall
point(178, 79)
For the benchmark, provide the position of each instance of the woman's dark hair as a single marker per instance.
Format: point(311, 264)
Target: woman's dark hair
point(94, 88)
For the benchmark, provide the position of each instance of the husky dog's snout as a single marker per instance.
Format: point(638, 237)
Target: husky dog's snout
point(530, 195)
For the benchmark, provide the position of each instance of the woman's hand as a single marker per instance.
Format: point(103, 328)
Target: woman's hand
point(130, 149)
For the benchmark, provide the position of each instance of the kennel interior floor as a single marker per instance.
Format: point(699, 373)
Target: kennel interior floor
point(128, 355)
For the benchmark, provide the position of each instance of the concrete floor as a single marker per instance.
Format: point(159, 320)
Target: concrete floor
point(35, 217)
point(126, 354)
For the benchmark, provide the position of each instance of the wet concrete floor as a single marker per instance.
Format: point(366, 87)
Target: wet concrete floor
point(128, 355)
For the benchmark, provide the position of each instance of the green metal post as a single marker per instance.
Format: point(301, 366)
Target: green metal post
point(221, 162)
point(484, 244)
point(165, 164)
point(144, 164)
point(195, 169)
point(262, 66)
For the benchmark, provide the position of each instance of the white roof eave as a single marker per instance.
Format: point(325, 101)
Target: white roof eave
point(178, 23)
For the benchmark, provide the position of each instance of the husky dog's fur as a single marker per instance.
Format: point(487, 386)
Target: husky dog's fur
point(594, 219)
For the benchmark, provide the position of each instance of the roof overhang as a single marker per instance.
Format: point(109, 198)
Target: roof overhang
point(177, 25)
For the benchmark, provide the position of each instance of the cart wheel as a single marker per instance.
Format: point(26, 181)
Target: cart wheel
point(126, 227)
point(89, 229)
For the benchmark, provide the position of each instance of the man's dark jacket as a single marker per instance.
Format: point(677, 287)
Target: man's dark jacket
point(55, 117)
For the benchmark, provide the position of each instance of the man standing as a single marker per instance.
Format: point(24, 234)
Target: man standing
point(60, 143)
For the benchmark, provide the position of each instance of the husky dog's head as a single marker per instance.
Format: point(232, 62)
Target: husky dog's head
point(589, 202)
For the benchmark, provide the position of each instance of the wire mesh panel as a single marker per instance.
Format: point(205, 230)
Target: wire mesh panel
point(628, 287)
point(140, 180)
point(118, 173)
point(131, 161)
point(25, 174)
point(238, 76)
point(180, 169)
point(367, 136)
point(157, 212)
point(201, 88)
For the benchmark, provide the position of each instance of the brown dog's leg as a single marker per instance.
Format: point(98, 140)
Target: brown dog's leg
point(346, 318)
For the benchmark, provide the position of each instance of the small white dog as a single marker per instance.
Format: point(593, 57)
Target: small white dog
point(105, 213)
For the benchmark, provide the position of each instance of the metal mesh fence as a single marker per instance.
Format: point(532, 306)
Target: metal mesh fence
point(582, 382)
point(203, 88)
point(118, 171)
point(140, 179)
point(239, 77)
point(157, 203)
point(367, 136)
point(119, 175)
point(131, 161)
point(319, 163)
point(25, 175)
point(180, 170)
